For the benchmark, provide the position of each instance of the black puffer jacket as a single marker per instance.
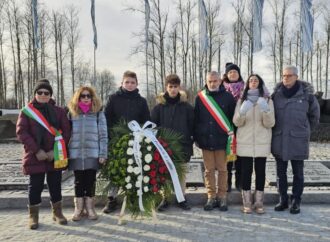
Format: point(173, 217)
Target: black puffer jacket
point(128, 106)
point(177, 115)
point(208, 134)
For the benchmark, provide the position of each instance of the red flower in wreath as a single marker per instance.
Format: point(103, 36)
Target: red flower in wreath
point(162, 169)
point(169, 152)
point(152, 166)
point(156, 156)
point(152, 174)
point(155, 188)
point(162, 179)
point(153, 181)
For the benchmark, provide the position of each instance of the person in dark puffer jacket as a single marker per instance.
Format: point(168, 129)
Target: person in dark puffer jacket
point(174, 112)
point(127, 105)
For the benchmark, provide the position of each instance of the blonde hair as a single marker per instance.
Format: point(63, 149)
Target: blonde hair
point(73, 104)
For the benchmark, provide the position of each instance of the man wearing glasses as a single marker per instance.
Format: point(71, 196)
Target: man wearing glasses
point(297, 112)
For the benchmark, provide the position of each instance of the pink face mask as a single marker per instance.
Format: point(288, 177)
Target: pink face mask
point(84, 107)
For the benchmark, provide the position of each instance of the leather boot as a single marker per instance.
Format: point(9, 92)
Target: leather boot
point(247, 203)
point(78, 208)
point(57, 213)
point(111, 205)
point(33, 216)
point(90, 207)
point(259, 202)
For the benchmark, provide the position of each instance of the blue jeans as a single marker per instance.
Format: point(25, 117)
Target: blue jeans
point(282, 181)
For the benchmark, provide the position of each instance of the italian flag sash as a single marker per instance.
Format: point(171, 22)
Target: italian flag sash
point(60, 154)
point(222, 120)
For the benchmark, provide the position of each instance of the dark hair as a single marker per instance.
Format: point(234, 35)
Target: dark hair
point(260, 87)
point(172, 79)
point(130, 74)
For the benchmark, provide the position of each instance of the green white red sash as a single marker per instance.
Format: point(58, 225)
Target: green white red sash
point(60, 153)
point(222, 120)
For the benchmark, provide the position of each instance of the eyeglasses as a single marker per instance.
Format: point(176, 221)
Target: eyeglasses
point(46, 93)
point(288, 76)
point(85, 96)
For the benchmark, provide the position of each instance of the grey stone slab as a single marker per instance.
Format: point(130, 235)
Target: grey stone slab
point(315, 174)
point(195, 174)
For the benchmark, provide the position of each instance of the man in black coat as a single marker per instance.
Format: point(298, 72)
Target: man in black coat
point(174, 112)
point(212, 139)
point(126, 104)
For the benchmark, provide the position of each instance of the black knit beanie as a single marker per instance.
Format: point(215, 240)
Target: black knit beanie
point(43, 84)
point(230, 66)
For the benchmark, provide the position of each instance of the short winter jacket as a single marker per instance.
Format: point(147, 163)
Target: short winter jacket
point(295, 117)
point(127, 106)
point(178, 117)
point(254, 133)
point(89, 141)
point(27, 130)
point(207, 133)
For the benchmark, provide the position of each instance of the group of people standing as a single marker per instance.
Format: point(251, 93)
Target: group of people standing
point(229, 117)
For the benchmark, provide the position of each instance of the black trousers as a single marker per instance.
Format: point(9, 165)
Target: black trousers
point(259, 169)
point(36, 186)
point(237, 165)
point(282, 180)
point(84, 183)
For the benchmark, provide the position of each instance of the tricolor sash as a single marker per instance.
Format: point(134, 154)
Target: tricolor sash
point(222, 120)
point(60, 154)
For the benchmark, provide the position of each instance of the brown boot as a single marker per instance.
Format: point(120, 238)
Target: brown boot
point(57, 213)
point(90, 207)
point(247, 203)
point(259, 202)
point(33, 216)
point(78, 208)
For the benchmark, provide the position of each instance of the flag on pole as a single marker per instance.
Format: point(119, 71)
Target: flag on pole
point(93, 21)
point(203, 37)
point(258, 6)
point(147, 20)
point(35, 24)
point(307, 23)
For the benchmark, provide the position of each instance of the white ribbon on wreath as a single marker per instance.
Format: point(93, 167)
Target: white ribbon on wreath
point(150, 133)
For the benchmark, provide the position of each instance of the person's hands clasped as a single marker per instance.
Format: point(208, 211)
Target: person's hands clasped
point(41, 155)
point(102, 160)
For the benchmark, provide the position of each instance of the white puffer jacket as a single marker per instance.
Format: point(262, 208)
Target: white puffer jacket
point(254, 130)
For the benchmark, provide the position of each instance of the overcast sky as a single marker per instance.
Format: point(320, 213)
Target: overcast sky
point(116, 27)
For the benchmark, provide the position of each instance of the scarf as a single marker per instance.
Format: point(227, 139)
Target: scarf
point(84, 107)
point(235, 88)
point(253, 95)
point(290, 92)
point(171, 100)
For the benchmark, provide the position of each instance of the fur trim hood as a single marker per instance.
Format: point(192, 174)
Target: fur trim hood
point(307, 87)
point(161, 99)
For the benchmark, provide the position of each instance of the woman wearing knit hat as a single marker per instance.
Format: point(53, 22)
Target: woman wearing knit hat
point(86, 153)
point(254, 118)
point(234, 84)
point(44, 130)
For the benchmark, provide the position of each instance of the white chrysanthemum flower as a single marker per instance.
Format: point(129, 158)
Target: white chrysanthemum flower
point(131, 142)
point(139, 178)
point(128, 179)
point(130, 169)
point(146, 189)
point(147, 140)
point(146, 179)
point(148, 158)
point(146, 168)
point(130, 151)
point(149, 147)
point(136, 170)
point(137, 184)
point(130, 161)
point(128, 186)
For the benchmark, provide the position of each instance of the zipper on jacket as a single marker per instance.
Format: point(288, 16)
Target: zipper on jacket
point(83, 142)
point(254, 130)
